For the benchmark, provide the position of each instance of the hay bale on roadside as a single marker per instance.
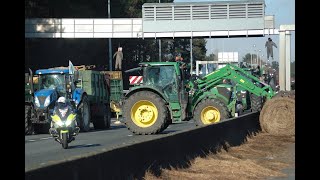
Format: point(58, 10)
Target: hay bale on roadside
point(290, 94)
point(277, 116)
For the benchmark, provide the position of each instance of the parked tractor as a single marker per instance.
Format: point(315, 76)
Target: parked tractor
point(166, 97)
point(86, 90)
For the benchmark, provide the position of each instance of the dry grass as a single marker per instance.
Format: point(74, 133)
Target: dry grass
point(261, 156)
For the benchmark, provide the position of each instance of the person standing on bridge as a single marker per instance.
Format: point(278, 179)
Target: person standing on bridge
point(119, 57)
point(269, 44)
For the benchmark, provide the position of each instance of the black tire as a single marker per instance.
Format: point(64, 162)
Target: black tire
point(27, 121)
point(64, 141)
point(160, 123)
point(103, 123)
point(84, 114)
point(107, 116)
point(256, 103)
point(168, 121)
point(217, 104)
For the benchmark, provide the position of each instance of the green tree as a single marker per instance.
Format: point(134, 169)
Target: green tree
point(199, 49)
point(247, 58)
point(211, 57)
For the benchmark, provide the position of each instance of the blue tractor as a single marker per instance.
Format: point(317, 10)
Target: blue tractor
point(54, 83)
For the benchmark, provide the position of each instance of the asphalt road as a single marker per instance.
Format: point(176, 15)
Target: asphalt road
point(42, 149)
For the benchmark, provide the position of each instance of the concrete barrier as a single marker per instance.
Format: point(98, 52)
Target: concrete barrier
point(174, 150)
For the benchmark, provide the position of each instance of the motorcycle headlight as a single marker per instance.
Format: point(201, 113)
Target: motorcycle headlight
point(68, 122)
point(59, 123)
point(47, 101)
point(36, 101)
point(70, 118)
point(56, 119)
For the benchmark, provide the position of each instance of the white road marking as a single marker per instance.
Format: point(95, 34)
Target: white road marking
point(31, 140)
point(130, 135)
point(47, 138)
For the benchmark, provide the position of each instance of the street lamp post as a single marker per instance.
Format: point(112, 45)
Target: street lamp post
point(110, 49)
point(255, 58)
point(259, 57)
point(251, 54)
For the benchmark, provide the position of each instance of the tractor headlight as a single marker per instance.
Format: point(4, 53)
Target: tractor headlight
point(191, 92)
point(47, 102)
point(36, 101)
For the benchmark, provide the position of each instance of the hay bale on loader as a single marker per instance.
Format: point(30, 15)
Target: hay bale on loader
point(277, 116)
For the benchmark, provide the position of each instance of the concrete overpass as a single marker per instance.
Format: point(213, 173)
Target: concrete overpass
point(175, 20)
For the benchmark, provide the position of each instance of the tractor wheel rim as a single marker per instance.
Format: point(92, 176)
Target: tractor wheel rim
point(144, 113)
point(210, 115)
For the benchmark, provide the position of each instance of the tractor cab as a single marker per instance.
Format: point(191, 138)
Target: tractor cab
point(164, 78)
point(50, 80)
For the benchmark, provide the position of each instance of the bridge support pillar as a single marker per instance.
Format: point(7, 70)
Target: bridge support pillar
point(284, 56)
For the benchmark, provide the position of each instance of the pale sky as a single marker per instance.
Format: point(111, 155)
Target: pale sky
point(284, 12)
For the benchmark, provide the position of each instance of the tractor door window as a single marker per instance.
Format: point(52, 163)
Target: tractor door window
point(168, 82)
point(162, 77)
point(152, 76)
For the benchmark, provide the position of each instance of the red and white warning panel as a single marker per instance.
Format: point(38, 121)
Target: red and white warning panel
point(135, 80)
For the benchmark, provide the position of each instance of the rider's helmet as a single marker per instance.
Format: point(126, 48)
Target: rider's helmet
point(62, 103)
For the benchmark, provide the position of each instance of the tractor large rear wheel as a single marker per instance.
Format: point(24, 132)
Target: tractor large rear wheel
point(278, 116)
point(84, 115)
point(145, 113)
point(210, 111)
point(27, 122)
point(105, 121)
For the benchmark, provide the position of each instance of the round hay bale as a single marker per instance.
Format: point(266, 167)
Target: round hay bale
point(290, 94)
point(277, 116)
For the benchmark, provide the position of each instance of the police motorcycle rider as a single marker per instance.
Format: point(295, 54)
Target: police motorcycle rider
point(63, 108)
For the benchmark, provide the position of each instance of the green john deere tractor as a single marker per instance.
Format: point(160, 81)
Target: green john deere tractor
point(167, 96)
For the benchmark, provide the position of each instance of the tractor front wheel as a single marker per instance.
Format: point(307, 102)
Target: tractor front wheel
point(210, 111)
point(145, 113)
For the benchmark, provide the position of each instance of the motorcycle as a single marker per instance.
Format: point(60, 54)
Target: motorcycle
point(64, 125)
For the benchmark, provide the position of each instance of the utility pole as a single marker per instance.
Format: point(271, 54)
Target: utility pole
point(191, 56)
point(159, 46)
point(110, 45)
